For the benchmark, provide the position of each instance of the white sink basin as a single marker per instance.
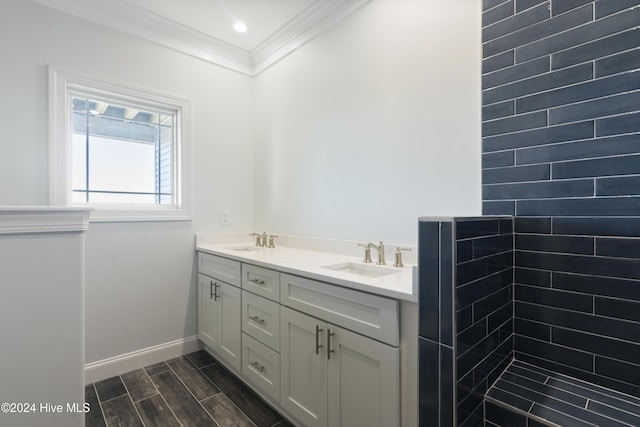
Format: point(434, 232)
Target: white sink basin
point(246, 248)
point(363, 270)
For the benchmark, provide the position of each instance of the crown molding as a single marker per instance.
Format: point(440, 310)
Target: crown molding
point(303, 28)
point(123, 16)
point(43, 219)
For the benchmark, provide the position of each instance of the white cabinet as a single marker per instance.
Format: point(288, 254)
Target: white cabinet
point(261, 281)
point(219, 311)
point(229, 338)
point(323, 354)
point(364, 381)
point(220, 268)
point(261, 343)
point(334, 377)
point(371, 315)
point(303, 367)
point(207, 288)
point(261, 319)
point(261, 366)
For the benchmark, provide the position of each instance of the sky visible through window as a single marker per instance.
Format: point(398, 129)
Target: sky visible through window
point(121, 155)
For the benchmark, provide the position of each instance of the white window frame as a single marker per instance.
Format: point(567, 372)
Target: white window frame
point(62, 85)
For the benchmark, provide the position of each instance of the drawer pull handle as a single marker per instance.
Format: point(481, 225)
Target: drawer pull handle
point(257, 319)
point(257, 281)
point(329, 350)
point(318, 345)
point(258, 366)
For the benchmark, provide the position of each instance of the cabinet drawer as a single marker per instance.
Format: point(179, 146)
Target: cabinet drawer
point(261, 319)
point(261, 281)
point(371, 315)
point(219, 268)
point(261, 366)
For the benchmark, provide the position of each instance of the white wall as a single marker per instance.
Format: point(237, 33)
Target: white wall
point(41, 271)
point(358, 133)
point(373, 124)
point(140, 289)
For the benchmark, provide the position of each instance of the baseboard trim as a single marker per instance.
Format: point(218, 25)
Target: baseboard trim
point(107, 368)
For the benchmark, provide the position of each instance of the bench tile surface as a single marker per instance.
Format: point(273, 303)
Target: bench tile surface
point(545, 397)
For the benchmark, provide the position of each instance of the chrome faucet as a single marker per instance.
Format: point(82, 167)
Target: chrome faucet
point(380, 249)
point(264, 239)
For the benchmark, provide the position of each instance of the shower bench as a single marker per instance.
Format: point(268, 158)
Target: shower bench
point(529, 396)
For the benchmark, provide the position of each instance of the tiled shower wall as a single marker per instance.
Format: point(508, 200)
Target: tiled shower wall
point(484, 310)
point(561, 108)
point(436, 380)
point(466, 271)
point(561, 143)
point(577, 298)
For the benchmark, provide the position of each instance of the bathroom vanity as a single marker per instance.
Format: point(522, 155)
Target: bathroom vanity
point(317, 334)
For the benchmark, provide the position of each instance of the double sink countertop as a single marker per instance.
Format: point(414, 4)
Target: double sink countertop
point(336, 268)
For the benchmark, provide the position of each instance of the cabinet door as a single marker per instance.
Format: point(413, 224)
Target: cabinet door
point(229, 328)
point(207, 323)
point(303, 372)
point(363, 381)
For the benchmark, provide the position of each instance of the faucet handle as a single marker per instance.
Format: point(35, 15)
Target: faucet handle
point(271, 242)
point(380, 249)
point(258, 238)
point(367, 252)
point(398, 262)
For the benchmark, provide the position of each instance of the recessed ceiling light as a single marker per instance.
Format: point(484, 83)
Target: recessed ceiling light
point(240, 27)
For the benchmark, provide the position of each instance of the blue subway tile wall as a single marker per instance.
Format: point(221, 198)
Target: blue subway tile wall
point(436, 324)
point(484, 309)
point(466, 315)
point(561, 108)
point(577, 298)
point(561, 153)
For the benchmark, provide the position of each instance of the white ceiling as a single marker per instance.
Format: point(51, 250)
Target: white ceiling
point(216, 17)
point(203, 28)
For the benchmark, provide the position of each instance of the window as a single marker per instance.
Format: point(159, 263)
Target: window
point(121, 154)
point(122, 150)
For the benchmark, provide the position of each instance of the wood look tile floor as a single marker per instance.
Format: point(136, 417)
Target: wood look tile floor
point(189, 391)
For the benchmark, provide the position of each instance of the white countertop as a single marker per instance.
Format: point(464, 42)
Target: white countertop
point(401, 284)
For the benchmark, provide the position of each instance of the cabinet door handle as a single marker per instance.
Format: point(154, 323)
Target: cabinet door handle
point(329, 350)
point(257, 366)
point(212, 291)
point(318, 345)
point(257, 319)
point(216, 295)
point(257, 281)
